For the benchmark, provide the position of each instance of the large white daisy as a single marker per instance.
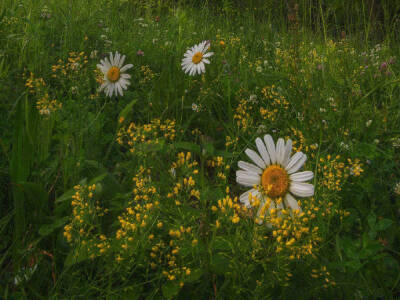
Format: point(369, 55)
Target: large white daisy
point(274, 176)
point(195, 57)
point(115, 81)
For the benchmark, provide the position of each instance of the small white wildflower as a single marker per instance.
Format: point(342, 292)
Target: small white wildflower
point(259, 69)
point(253, 99)
point(397, 188)
point(322, 109)
point(368, 123)
point(376, 141)
point(265, 62)
point(195, 107)
point(93, 54)
point(172, 171)
point(344, 146)
point(261, 129)
point(300, 116)
point(396, 142)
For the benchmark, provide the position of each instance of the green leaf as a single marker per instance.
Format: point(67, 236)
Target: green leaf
point(372, 234)
point(370, 250)
point(68, 194)
point(126, 110)
point(383, 224)
point(221, 244)
point(189, 147)
point(220, 263)
point(170, 289)
point(194, 275)
point(371, 220)
point(49, 228)
point(355, 265)
point(208, 149)
point(224, 154)
point(76, 255)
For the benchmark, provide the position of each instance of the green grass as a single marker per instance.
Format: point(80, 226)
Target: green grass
point(330, 93)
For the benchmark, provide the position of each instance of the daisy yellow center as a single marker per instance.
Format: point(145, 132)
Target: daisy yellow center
point(275, 181)
point(197, 57)
point(113, 74)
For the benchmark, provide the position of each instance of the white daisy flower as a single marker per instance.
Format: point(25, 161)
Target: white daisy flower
point(274, 176)
point(115, 81)
point(194, 59)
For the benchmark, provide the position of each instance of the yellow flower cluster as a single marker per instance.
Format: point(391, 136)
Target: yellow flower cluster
point(355, 167)
point(83, 227)
point(185, 185)
point(45, 106)
point(9, 20)
point(229, 141)
point(274, 98)
point(220, 167)
point(294, 232)
point(72, 66)
point(137, 217)
point(35, 85)
point(242, 115)
point(149, 134)
point(324, 275)
point(234, 40)
point(147, 74)
point(333, 172)
point(165, 255)
point(298, 140)
point(229, 209)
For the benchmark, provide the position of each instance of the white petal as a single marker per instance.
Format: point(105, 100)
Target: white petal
point(198, 67)
point(280, 151)
point(126, 67)
point(112, 59)
point(247, 179)
point(249, 167)
point(291, 202)
point(205, 60)
point(302, 176)
point(297, 165)
point(244, 198)
point(116, 59)
point(118, 85)
point(269, 142)
point(263, 151)
point(301, 189)
point(103, 86)
point(203, 68)
point(121, 62)
point(107, 63)
point(208, 54)
point(111, 89)
point(125, 76)
point(294, 160)
point(288, 150)
point(255, 158)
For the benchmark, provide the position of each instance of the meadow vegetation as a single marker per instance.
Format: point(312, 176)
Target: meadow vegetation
point(141, 196)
